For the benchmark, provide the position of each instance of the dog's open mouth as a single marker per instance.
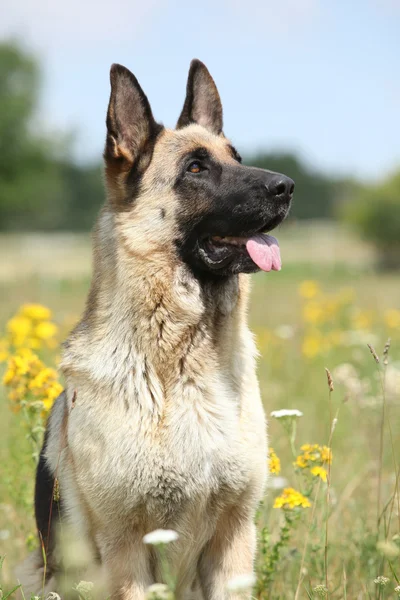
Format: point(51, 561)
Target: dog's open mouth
point(261, 248)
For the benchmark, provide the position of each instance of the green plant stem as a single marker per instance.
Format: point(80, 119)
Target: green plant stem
point(166, 573)
point(380, 458)
point(307, 540)
point(292, 438)
point(328, 495)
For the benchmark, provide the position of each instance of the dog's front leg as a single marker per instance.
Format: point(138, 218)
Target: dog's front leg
point(228, 554)
point(127, 565)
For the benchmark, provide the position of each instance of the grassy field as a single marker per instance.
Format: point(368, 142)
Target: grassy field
point(320, 311)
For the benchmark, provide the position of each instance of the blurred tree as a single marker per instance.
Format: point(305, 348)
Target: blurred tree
point(82, 195)
point(315, 194)
point(375, 213)
point(21, 156)
point(39, 187)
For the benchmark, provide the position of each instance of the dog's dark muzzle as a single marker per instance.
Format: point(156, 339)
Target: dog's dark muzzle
point(244, 205)
point(258, 200)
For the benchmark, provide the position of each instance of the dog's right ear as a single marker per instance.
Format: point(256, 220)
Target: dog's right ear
point(202, 103)
point(131, 128)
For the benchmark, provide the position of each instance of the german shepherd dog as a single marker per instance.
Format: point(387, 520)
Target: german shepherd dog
point(161, 423)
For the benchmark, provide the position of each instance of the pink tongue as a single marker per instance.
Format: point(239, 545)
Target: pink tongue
point(264, 251)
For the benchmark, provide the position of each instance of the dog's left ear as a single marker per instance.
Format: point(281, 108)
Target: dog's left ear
point(202, 104)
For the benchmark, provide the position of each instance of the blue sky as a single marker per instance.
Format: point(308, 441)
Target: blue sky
point(316, 76)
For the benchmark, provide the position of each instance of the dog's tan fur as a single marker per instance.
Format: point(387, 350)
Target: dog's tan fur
point(167, 428)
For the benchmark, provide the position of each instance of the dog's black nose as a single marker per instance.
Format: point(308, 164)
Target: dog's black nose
point(280, 185)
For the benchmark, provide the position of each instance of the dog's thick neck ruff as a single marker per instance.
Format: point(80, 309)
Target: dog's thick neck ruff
point(156, 311)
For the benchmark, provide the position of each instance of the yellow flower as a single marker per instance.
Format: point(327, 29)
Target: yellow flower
point(52, 394)
point(308, 447)
point(362, 319)
point(319, 472)
point(301, 462)
point(313, 312)
point(36, 312)
point(19, 327)
point(326, 455)
point(8, 375)
point(392, 318)
point(308, 289)
point(33, 343)
point(313, 457)
point(46, 330)
point(22, 368)
point(42, 378)
point(290, 499)
point(27, 354)
point(273, 462)
point(18, 393)
point(17, 367)
point(312, 345)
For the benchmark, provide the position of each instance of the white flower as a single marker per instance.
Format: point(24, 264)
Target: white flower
point(321, 591)
point(392, 381)
point(158, 591)
point(4, 534)
point(285, 332)
point(381, 580)
point(84, 589)
point(286, 412)
point(160, 536)
point(241, 583)
point(53, 596)
point(277, 483)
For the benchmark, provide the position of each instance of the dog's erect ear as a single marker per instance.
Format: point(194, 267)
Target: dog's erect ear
point(131, 128)
point(202, 103)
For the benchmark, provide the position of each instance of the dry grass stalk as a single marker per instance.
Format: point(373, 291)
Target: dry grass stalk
point(330, 380)
point(386, 352)
point(374, 354)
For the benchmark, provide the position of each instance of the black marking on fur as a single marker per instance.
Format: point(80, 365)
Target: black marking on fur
point(48, 510)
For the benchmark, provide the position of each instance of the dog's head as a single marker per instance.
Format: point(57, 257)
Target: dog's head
point(184, 192)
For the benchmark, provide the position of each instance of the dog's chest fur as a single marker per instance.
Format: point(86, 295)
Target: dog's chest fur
point(160, 428)
point(132, 459)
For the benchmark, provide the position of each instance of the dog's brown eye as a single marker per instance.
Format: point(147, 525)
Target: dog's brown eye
point(194, 167)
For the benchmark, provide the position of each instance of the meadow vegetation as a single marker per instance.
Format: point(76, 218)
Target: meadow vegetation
point(329, 525)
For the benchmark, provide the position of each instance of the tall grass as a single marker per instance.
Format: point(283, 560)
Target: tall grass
point(330, 523)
